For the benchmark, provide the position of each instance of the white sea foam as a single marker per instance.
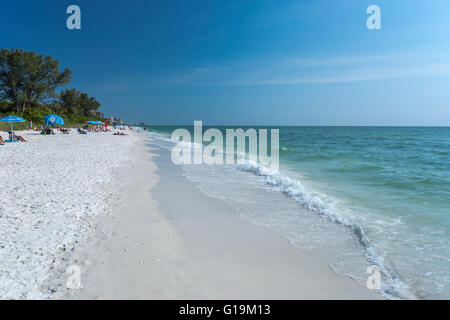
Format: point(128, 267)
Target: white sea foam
point(389, 235)
point(321, 204)
point(316, 202)
point(49, 185)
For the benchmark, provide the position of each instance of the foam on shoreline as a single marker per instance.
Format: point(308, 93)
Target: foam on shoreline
point(197, 247)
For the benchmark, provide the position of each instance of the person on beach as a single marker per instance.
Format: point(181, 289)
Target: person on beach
point(21, 139)
point(47, 131)
point(13, 136)
point(2, 142)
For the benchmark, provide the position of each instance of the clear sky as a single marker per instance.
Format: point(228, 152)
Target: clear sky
point(297, 62)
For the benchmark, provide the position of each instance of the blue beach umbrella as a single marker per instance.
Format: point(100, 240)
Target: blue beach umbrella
point(53, 119)
point(12, 119)
point(91, 122)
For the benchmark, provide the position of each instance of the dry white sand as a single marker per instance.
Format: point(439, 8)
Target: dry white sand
point(49, 187)
point(163, 239)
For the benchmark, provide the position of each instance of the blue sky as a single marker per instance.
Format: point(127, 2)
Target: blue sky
point(311, 62)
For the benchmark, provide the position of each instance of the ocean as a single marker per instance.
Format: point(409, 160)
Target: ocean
point(354, 196)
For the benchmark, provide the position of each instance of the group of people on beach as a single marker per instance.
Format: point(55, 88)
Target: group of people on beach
point(51, 130)
point(47, 131)
point(12, 137)
point(87, 129)
point(95, 129)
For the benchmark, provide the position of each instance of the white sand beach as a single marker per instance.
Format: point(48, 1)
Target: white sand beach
point(50, 186)
point(137, 229)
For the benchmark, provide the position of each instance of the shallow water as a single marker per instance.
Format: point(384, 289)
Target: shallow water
point(354, 196)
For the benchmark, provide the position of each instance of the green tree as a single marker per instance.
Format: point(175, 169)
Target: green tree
point(89, 105)
point(36, 114)
point(29, 79)
point(75, 103)
point(6, 107)
point(69, 102)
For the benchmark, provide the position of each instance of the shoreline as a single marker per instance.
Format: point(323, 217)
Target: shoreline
point(168, 240)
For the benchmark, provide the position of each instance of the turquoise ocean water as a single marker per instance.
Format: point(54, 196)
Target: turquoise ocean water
point(353, 196)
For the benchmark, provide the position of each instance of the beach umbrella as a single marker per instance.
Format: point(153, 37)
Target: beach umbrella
point(91, 122)
point(53, 119)
point(12, 119)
